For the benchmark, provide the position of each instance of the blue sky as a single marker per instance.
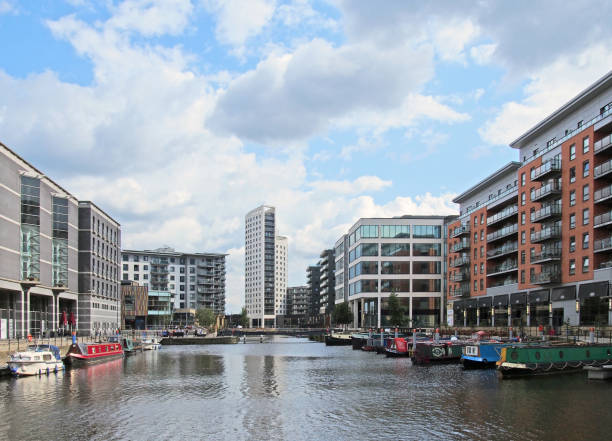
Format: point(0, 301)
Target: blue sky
point(179, 116)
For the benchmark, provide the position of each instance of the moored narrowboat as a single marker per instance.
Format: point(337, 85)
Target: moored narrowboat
point(437, 352)
point(552, 359)
point(83, 354)
point(482, 354)
point(338, 340)
point(398, 348)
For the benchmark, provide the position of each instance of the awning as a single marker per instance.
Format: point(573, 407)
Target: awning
point(501, 300)
point(539, 296)
point(485, 302)
point(458, 305)
point(518, 298)
point(564, 293)
point(596, 289)
point(471, 303)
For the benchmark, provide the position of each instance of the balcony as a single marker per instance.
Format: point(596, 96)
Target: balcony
point(459, 292)
point(546, 234)
point(159, 270)
point(502, 282)
point(503, 250)
point(603, 169)
point(462, 245)
point(603, 144)
point(460, 231)
point(546, 191)
point(546, 255)
point(506, 267)
point(602, 220)
point(460, 261)
point(603, 194)
point(602, 245)
point(504, 214)
point(548, 169)
point(547, 212)
point(459, 277)
point(546, 277)
point(499, 234)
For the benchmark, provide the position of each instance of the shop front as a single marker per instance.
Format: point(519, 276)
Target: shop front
point(538, 302)
point(500, 310)
point(518, 309)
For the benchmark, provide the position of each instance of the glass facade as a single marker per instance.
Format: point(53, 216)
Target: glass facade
point(426, 285)
point(427, 232)
point(426, 249)
point(426, 267)
point(394, 267)
point(59, 253)
point(30, 228)
point(395, 285)
point(395, 249)
point(365, 249)
point(363, 268)
point(395, 231)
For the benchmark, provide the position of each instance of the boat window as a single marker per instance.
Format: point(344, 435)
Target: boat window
point(36, 357)
point(47, 356)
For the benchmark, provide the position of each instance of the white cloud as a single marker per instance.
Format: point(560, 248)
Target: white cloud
point(239, 20)
point(6, 7)
point(151, 17)
point(482, 54)
point(451, 37)
point(546, 90)
point(363, 184)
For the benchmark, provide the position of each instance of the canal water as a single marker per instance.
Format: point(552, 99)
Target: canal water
point(292, 389)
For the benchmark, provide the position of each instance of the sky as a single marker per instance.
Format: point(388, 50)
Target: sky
point(177, 117)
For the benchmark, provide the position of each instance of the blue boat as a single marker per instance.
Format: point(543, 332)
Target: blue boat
point(483, 354)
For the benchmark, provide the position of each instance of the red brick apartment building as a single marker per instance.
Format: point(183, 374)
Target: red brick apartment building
point(533, 241)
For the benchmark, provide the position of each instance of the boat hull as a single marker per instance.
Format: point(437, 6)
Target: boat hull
point(335, 341)
point(75, 361)
point(22, 369)
point(429, 353)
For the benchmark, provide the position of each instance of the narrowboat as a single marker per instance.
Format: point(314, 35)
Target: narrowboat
point(437, 352)
point(338, 340)
point(37, 360)
point(358, 340)
point(398, 348)
point(83, 354)
point(482, 355)
point(525, 360)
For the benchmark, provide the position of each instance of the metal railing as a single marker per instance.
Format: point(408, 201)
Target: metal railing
point(602, 169)
point(511, 229)
point(511, 265)
point(546, 234)
point(463, 229)
point(462, 245)
point(505, 213)
point(504, 249)
point(546, 277)
point(459, 276)
point(460, 261)
point(602, 219)
point(546, 254)
point(550, 166)
point(602, 144)
point(603, 194)
point(552, 188)
point(602, 244)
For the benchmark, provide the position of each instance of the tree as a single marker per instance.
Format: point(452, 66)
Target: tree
point(342, 314)
point(397, 313)
point(205, 317)
point(244, 318)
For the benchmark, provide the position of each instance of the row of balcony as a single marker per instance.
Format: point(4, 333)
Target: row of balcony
point(507, 266)
point(503, 232)
point(463, 291)
point(504, 214)
point(603, 194)
point(551, 189)
point(552, 275)
point(459, 276)
point(546, 255)
point(546, 170)
point(505, 249)
point(602, 220)
point(460, 261)
point(602, 245)
point(603, 144)
point(603, 169)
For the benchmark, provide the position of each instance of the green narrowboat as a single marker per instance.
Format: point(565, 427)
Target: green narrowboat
point(564, 358)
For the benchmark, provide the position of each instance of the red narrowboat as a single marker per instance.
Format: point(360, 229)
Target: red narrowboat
point(83, 354)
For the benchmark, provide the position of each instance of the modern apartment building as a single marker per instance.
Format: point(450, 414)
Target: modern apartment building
point(58, 256)
point(402, 255)
point(532, 243)
point(298, 300)
point(99, 277)
point(265, 268)
point(313, 277)
point(134, 305)
point(192, 280)
point(327, 286)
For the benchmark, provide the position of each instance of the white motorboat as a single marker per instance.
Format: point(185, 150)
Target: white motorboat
point(150, 344)
point(37, 360)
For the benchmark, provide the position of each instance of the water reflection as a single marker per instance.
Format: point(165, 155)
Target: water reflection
point(292, 389)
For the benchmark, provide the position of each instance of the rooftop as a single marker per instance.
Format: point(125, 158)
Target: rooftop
point(511, 167)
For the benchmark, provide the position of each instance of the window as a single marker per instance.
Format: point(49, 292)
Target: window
point(481, 284)
point(522, 276)
point(585, 241)
point(481, 251)
point(522, 179)
point(586, 217)
point(482, 268)
point(475, 285)
point(136, 277)
point(523, 255)
point(572, 201)
point(572, 244)
point(572, 221)
point(426, 249)
point(136, 268)
point(585, 145)
point(475, 236)
point(523, 199)
point(393, 231)
point(125, 267)
point(145, 277)
point(523, 218)
point(191, 270)
point(475, 253)
point(426, 267)
point(586, 193)
point(191, 261)
point(427, 232)
point(585, 169)
point(481, 218)
point(475, 269)
point(572, 174)
point(182, 270)
point(475, 221)
point(585, 264)
point(522, 237)
point(572, 152)
point(145, 267)
point(125, 276)
point(182, 288)
point(387, 249)
point(572, 266)
point(182, 279)
point(481, 235)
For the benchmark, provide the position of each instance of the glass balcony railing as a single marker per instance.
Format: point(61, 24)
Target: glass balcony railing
point(459, 231)
point(510, 265)
point(506, 231)
point(460, 276)
point(603, 144)
point(504, 214)
point(602, 219)
point(546, 234)
point(603, 194)
point(459, 292)
point(547, 169)
point(550, 189)
point(603, 169)
point(508, 248)
point(546, 255)
point(545, 277)
point(462, 245)
point(546, 212)
point(460, 261)
point(510, 280)
point(602, 245)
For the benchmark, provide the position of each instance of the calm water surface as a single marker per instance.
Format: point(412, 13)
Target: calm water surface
point(291, 389)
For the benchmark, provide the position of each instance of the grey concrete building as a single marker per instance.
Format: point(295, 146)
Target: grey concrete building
point(38, 251)
point(99, 277)
point(313, 276)
point(327, 285)
point(193, 280)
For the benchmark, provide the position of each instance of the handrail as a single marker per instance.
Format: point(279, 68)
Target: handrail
point(502, 232)
point(602, 218)
point(599, 145)
point(547, 166)
point(602, 193)
point(602, 168)
point(506, 212)
point(546, 233)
